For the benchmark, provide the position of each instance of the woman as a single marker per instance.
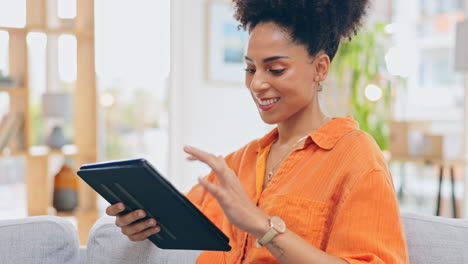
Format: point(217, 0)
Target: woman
point(315, 189)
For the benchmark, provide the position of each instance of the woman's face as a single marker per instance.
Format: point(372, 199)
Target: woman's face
point(280, 74)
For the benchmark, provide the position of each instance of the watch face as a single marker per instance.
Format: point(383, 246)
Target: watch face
point(278, 224)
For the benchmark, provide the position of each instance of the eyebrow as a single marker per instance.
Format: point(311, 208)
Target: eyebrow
point(268, 59)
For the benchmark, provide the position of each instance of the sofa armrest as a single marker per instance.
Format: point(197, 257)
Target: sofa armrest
point(434, 240)
point(38, 239)
point(106, 244)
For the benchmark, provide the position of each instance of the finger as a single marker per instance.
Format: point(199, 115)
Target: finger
point(123, 220)
point(198, 154)
point(132, 229)
point(201, 155)
point(223, 162)
point(145, 234)
point(210, 187)
point(192, 158)
point(223, 172)
point(216, 163)
point(115, 209)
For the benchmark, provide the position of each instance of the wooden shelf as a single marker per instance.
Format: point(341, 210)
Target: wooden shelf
point(14, 90)
point(67, 151)
point(38, 180)
point(56, 31)
point(13, 29)
point(52, 31)
point(59, 31)
point(67, 214)
point(52, 211)
point(424, 160)
point(5, 154)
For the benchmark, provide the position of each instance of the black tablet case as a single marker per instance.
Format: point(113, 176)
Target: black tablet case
point(139, 186)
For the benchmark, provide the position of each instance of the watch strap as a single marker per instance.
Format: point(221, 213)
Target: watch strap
point(277, 226)
point(267, 237)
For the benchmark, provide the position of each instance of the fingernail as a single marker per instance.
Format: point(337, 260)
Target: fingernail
point(157, 229)
point(141, 214)
point(152, 223)
point(120, 207)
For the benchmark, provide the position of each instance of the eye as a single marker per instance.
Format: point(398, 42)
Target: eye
point(251, 71)
point(277, 72)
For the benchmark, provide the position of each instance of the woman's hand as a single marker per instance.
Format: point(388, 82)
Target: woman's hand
point(230, 194)
point(134, 231)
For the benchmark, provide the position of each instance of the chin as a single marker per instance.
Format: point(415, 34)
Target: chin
point(270, 120)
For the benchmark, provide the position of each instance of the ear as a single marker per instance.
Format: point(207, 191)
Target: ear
point(322, 66)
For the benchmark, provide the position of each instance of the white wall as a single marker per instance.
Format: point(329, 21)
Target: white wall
point(465, 130)
point(218, 118)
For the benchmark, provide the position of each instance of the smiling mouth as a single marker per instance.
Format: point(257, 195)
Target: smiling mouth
point(268, 101)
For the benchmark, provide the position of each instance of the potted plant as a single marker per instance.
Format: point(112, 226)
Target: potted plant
point(359, 70)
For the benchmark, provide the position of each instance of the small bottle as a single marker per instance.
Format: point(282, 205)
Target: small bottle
point(65, 190)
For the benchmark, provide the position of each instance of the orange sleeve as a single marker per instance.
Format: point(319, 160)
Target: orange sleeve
point(367, 227)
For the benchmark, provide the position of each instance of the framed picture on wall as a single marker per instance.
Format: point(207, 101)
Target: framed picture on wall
point(226, 44)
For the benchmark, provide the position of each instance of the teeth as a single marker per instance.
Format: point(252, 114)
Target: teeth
point(269, 101)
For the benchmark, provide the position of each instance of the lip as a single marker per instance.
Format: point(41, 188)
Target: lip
point(265, 108)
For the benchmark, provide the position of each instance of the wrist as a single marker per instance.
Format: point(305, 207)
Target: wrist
point(261, 225)
point(277, 226)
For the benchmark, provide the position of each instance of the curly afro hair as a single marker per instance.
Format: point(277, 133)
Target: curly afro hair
point(317, 24)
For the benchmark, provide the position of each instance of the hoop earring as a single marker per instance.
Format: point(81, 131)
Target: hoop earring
point(320, 86)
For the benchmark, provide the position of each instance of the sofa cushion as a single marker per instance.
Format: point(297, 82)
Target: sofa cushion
point(435, 240)
point(106, 244)
point(38, 239)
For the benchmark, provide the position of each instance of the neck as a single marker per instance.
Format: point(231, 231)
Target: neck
point(301, 124)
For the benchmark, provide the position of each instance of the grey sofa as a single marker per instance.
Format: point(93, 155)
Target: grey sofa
point(49, 239)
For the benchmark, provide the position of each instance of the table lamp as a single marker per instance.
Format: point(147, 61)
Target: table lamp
point(57, 106)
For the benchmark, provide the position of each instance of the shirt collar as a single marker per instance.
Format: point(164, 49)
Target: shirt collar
point(325, 137)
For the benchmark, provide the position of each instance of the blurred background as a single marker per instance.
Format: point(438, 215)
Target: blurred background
point(96, 80)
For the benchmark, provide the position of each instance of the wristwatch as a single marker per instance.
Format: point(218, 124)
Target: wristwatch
point(277, 226)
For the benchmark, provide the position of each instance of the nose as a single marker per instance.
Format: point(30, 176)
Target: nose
point(259, 84)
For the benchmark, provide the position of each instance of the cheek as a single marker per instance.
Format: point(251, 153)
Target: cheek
point(293, 84)
point(290, 86)
point(297, 94)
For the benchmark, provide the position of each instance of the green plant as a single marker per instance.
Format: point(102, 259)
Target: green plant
point(359, 63)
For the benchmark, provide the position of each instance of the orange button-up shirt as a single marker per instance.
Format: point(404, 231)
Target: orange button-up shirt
point(335, 191)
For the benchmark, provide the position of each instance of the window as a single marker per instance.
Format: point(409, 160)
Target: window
point(434, 7)
point(436, 69)
point(132, 66)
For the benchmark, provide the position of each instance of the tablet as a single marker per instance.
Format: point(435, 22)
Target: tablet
point(139, 186)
